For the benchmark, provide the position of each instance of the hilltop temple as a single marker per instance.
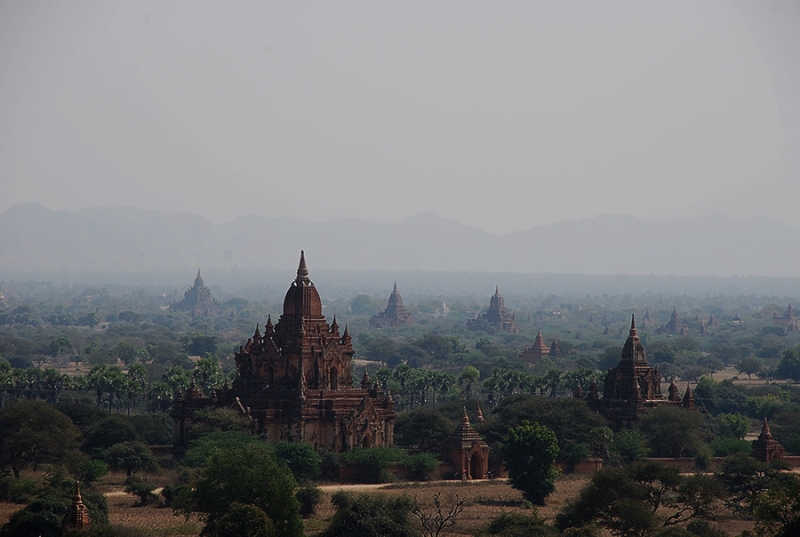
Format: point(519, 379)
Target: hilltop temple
point(197, 301)
point(395, 313)
point(496, 318)
point(294, 382)
point(633, 387)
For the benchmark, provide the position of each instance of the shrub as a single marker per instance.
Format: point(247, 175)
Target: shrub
point(309, 497)
point(370, 515)
point(518, 525)
point(375, 459)
point(722, 447)
point(141, 488)
point(421, 466)
point(300, 457)
point(20, 490)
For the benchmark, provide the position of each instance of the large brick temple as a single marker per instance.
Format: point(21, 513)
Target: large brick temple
point(197, 300)
point(295, 382)
point(395, 313)
point(633, 387)
point(496, 318)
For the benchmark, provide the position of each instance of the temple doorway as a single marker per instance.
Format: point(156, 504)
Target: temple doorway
point(476, 466)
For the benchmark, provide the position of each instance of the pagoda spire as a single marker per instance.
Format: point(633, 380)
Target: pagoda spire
point(302, 269)
point(633, 331)
point(765, 432)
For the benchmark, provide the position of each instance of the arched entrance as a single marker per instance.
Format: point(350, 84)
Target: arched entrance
point(269, 377)
point(476, 466)
point(334, 378)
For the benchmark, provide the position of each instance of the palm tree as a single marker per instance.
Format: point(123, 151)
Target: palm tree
point(137, 375)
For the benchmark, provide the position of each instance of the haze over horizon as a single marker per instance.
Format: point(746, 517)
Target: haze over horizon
point(502, 116)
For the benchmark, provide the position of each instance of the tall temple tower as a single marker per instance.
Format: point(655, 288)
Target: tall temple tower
point(632, 387)
point(295, 381)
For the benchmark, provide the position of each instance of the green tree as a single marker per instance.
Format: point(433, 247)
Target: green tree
point(468, 376)
point(136, 383)
point(126, 351)
point(208, 375)
point(60, 345)
point(571, 420)
point(198, 455)
point(733, 425)
point(363, 305)
point(673, 431)
point(370, 515)
point(789, 366)
point(45, 514)
point(241, 520)
point(529, 452)
point(200, 345)
point(629, 446)
point(249, 476)
point(749, 366)
point(141, 488)
point(300, 457)
point(104, 434)
point(211, 420)
point(745, 478)
point(131, 457)
point(518, 525)
point(33, 432)
point(637, 500)
point(422, 429)
point(777, 510)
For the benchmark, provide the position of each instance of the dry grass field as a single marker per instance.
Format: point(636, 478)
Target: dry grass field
point(484, 500)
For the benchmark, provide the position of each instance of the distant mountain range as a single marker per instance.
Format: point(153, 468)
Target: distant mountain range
point(36, 239)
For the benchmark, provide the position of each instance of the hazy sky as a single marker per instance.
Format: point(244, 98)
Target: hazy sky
point(502, 115)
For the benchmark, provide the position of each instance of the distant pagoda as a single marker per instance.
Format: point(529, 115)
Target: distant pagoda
point(537, 351)
point(496, 318)
point(395, 313)
point(674, 327)
point(197, 301)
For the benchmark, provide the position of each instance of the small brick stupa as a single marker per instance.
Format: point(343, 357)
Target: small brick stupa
point(467, 451)
point(537, 351)
point(766, 448)
point(78, 515)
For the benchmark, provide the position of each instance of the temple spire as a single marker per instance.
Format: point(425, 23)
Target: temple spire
point(633, 331)
point(765, 432)
point(479, 415)
point(302, 269)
